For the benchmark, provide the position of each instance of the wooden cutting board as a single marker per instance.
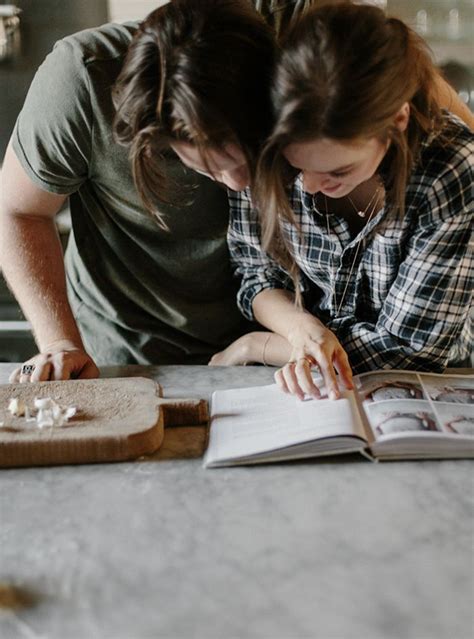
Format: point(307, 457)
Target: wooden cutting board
point(117, 419)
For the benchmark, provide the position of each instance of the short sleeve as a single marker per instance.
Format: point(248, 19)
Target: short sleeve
point(52, 135)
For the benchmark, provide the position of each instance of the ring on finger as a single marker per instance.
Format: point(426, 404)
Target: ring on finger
point(27, 369)
point(306, 359)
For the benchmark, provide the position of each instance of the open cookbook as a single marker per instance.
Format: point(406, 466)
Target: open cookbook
point(390, 415)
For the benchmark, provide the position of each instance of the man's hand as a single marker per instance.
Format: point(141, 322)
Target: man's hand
point(248, 349)
point(59, 362)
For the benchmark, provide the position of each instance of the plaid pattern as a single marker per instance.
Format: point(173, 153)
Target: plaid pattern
point(408, 296)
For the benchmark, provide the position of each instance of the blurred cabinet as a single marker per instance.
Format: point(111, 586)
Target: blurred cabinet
point(123, 10)
point(42, 22)
point(448, 28)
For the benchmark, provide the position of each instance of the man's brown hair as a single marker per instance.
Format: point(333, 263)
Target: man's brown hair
point(197, 71)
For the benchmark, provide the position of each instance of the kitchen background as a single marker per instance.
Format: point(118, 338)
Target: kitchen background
point(29, 29)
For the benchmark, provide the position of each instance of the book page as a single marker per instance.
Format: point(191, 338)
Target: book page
point(400, 403)
point(249, 421)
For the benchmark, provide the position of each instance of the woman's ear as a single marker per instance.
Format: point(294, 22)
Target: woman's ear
point(402, 117)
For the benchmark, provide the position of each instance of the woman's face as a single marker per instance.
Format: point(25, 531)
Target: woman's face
point(335, 168)
point(227, 165)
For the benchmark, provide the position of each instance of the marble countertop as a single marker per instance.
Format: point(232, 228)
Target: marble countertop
point(321, 549)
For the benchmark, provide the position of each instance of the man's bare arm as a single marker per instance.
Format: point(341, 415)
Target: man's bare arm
point(33, 265)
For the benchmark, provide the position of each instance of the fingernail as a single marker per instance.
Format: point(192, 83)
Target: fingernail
point(333, 395)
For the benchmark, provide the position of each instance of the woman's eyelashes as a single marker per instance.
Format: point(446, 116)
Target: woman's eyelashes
point(338, 174)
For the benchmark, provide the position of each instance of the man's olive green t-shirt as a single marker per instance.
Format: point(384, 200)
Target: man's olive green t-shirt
point(140, 294)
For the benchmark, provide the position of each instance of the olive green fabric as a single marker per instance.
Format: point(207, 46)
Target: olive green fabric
point(140, 294)
point(130, 283)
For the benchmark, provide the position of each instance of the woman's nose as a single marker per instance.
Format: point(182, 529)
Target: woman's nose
point(313, 182)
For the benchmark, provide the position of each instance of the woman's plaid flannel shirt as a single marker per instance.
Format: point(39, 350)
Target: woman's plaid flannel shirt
point(408, 300)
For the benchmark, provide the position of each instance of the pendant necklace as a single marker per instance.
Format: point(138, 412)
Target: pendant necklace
point(363, 213)
point(372, 205)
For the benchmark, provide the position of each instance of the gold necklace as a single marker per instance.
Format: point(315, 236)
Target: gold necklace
point(363, 213)
point(373, 202)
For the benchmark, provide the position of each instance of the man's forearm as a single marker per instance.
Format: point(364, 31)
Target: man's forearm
point(33, 265)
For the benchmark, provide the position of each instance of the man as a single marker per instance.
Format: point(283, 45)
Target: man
point(131, 291)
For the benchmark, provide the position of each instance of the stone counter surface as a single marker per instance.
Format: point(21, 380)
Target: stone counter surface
point(337, 548)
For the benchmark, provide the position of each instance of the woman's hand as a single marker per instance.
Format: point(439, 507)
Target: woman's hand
point(314, 345)
point(61, 361)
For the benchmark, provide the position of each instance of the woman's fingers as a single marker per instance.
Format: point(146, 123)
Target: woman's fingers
point(329, 376)
point(280, 381)
point(323, 358)
point(287, 380)
point(341, 364)
point(305, 379)
point(295, 378)
point(292, 381)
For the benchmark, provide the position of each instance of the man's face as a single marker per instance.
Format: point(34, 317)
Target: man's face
point(226, 165)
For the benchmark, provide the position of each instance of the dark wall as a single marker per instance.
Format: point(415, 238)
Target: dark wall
point(42, 23)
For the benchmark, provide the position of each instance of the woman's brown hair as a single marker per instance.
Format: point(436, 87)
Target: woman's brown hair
point(344, 72)
point(197, 71)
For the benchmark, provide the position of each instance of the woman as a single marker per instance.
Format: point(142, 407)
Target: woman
point(364, 262)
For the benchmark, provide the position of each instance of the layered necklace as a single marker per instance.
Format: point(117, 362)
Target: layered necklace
point(373, 200)
point(368, 212)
